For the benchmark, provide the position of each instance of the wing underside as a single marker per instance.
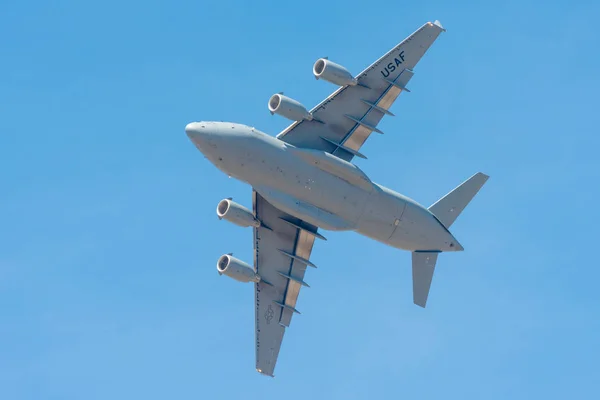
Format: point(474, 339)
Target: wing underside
point(282, 250)
point(344, 121)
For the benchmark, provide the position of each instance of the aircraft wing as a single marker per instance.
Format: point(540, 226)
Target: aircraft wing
point(282, 247)
point(343, 121)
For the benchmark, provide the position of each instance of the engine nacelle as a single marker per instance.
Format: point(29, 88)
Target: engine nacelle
point(236, 213)
point(236, 269)
point(332, 72)
point(288, 108)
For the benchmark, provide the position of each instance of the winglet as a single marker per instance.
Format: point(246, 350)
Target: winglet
point(260, 371)
point(439, 24)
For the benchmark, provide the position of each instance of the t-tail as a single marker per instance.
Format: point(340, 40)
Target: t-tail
point(446, 210)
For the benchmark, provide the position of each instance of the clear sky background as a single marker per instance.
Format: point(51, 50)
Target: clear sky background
point(108, 232)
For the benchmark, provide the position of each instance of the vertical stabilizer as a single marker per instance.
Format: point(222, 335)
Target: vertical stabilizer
point(449, 207)
point(423, 266)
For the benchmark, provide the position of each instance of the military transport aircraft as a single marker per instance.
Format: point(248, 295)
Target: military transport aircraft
point(303, 179)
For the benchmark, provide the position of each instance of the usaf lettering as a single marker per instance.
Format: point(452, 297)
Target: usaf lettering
point(391, 67)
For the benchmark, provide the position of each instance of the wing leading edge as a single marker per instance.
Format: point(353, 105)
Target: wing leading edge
point(282, 247)
point(344, 121)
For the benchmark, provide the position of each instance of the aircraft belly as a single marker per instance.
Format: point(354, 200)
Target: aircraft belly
point(419, 230)
point(381, 216)
point(291, 183)
point(305, 211)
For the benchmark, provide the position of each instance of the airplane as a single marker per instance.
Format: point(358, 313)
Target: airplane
point(303, 179)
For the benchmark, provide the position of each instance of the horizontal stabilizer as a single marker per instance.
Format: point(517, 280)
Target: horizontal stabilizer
point(449, 207)
point(423, 265)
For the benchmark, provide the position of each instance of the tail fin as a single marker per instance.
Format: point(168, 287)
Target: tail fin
point(449, 207)
point(423, 265)
point(446, 210)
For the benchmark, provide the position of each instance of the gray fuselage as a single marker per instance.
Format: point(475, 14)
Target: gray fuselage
point(319, 188)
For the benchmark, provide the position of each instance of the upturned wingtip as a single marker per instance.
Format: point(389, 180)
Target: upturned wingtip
point(439, 24)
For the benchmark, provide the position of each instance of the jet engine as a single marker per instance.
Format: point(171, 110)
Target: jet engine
point(236, 213)
point(288, 108)
point(332, 72)
point(236, 269)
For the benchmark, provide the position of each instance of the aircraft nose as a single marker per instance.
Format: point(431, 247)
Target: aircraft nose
point(203, 135)
point(191, 129)
point(198, 132)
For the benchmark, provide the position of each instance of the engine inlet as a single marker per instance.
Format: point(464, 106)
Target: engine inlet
point(223, 263)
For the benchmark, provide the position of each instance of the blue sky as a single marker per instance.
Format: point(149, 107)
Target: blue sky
point(108, 232)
